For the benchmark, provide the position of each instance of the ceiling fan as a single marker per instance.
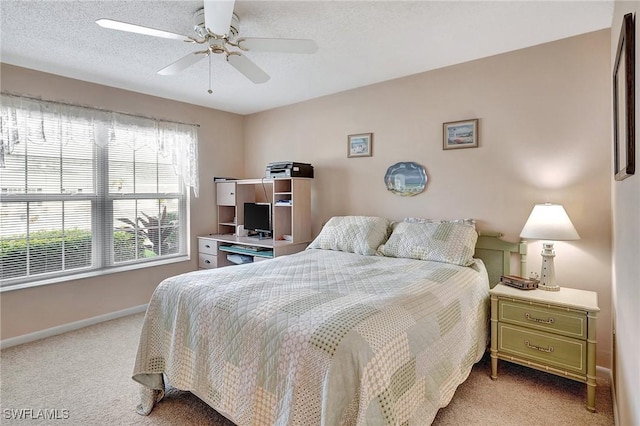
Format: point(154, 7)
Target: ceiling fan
point(216, 28)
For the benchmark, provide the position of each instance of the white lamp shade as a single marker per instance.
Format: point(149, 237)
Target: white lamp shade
point(549, 222)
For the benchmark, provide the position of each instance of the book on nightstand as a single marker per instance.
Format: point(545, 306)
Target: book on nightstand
point(519, 282)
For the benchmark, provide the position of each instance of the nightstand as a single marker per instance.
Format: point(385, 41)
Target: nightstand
point(549, 331)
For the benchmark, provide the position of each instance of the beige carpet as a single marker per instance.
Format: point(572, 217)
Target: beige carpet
point(87, 372)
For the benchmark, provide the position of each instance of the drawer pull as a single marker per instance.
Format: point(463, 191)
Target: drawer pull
point(538, 320)
point(207, 246)
point(207, 261)
point(538, 348)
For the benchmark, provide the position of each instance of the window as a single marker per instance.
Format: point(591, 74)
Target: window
point(84, 189)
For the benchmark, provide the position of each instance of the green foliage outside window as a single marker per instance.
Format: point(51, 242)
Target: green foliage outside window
point(75, 244)
point(159, 232)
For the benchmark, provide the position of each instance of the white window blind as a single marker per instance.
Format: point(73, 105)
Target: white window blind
point(83, 189)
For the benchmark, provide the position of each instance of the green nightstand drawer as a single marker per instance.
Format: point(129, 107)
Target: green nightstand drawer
point(545, 318)
point(545, 348)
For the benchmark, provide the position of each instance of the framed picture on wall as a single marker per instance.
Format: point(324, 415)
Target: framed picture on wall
point(624, 156)
point(460, 134)
point(359, 145)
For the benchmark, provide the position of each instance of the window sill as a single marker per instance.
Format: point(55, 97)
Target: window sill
point(94, 273)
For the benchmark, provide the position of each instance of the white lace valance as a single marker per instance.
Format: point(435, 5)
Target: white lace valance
point(176, 141)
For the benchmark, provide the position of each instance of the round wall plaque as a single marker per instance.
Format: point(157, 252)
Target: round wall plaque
point(406, 179)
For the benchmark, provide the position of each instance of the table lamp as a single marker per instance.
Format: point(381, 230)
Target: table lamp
point(548, 222)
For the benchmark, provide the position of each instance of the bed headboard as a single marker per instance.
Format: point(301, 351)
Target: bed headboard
point(496, 255)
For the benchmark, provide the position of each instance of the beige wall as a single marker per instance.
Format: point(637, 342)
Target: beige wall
point(221, 152)
point(544, 136)
point(626, 260)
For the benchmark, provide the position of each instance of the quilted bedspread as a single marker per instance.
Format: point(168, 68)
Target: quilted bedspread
point(317, 338)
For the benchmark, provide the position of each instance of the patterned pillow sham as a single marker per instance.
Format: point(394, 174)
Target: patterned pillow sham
point(470, 222)
point(354, 234)
point(449, 242)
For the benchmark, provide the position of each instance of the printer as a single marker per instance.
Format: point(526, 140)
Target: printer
point(286, 169)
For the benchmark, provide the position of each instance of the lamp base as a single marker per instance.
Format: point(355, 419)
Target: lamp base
point(549, 287)
point(548, 271)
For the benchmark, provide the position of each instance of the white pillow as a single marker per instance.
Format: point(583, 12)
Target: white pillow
point(449, 242)
point(353, 234)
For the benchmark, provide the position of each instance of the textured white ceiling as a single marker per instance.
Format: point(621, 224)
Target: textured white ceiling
point(360, 43)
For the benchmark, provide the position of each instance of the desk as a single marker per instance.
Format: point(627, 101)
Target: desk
point(213, 249)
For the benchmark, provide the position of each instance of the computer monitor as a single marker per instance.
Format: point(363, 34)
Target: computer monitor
point(257, 219)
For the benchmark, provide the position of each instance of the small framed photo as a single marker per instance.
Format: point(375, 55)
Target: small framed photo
point(359, 145)
point(460, 134)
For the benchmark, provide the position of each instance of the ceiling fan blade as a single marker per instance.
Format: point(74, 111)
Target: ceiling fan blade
point(284, 45)
point(182, 63)
point(139, 29)
point(217, 15)
point(247, 68)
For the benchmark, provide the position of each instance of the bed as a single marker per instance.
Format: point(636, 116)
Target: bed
point(376, 323)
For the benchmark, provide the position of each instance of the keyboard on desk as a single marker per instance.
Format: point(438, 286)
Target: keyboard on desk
point(252, 248)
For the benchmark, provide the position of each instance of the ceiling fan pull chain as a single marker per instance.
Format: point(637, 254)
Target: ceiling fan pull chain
point(210, 91)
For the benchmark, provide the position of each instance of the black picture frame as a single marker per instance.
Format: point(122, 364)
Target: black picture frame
point(624, 161)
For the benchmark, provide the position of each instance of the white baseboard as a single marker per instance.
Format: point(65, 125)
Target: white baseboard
point(53, 331)
point(614, 401)
point(603, 372)
point(608, 374)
